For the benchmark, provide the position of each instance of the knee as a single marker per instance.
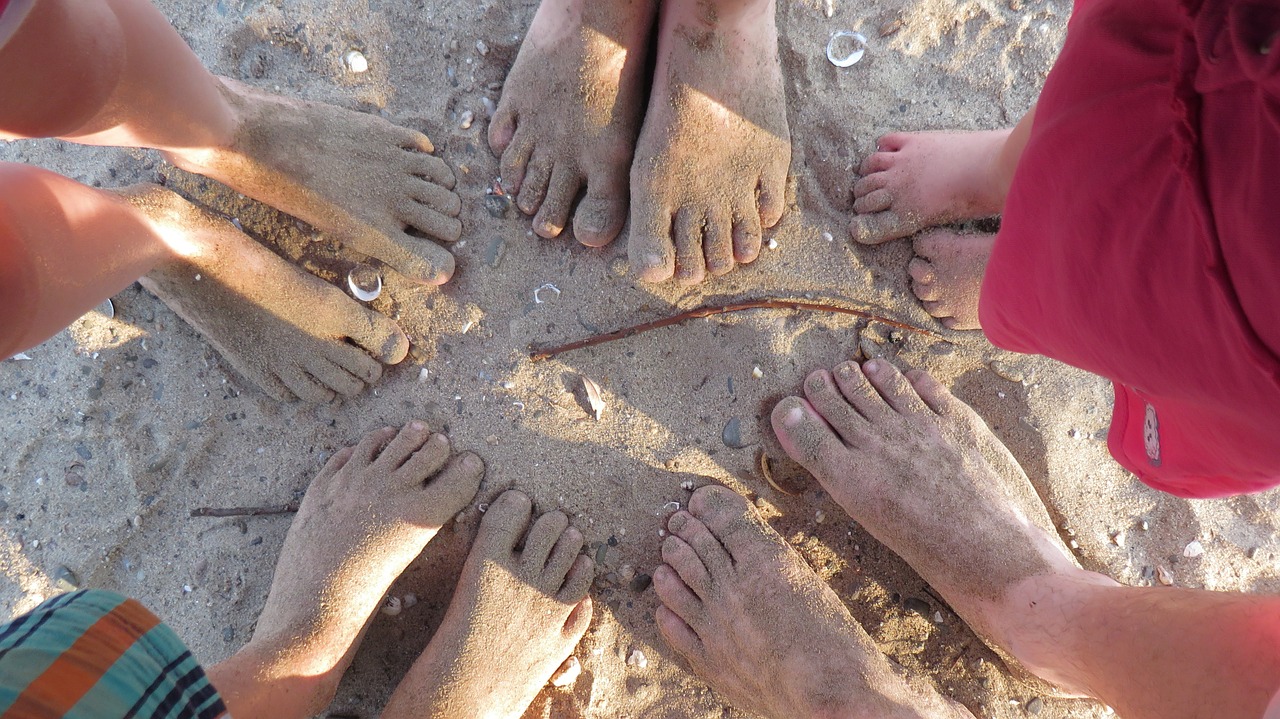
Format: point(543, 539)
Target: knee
point(60, 60)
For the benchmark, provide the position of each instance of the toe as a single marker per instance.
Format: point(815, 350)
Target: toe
point(578, 582)
point(432, 169)
point(563, 190)
point(935, 395)
point(360, 365)
point(431, 222)
point(879, 227)
point(502, 128)
point(731, 521)
point(874, 201)
point(717, 243)
point(683, 559)
point(806, 437)
point(825, 397)
point(414, 140)
point(650, 250)
point(746, 237)
point(876, 162)
point(425, 460)
point(566, 551)
point(543, 535)
point(335, 464)
point(408, 440)
point(710, 553)
point(534, 187)
point(925, 292)
point(677, 596)
point(304, 386)
point(771, 199)
point(453, 487)
point(370, 446)
point(679, 635)
point(893, 141)
point(691, 262)
point(504, 524)
point(865, 185)
point(922, 271)
point(852, 380)
point(603, 211)
point(515, 162)
point(893, 387)
point(436, 197)
point(333, 377)
point(380, 337)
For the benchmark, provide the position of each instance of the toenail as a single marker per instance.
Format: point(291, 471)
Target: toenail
point(845, 371)
point(471, 462)
point(794, 417)
point(417, 426)
point(872, 366)
point(677, 520)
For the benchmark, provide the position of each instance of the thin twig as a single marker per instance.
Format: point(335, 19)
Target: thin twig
point(244, 511)
point(539, 354)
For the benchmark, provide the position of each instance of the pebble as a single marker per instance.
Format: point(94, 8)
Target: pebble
point(1117, 538)
point(568, 673)
point(757, 372)
point(465, 119)
point(1035, 706)
point(637, 659)
point(819, 516)
point(497, 205)
point(627, 572)
point(1164, 577)
point(1193, 549)
point(772, 244)
point(482, 48)
point(640, 582)
point(890, 27)
point(391, 606)
point(919, 606)
point(732, 434)
point(229, 634)
point(687, 485)
point(490, 107)
point(356, 61)
point(65, 580)
point(408, 600)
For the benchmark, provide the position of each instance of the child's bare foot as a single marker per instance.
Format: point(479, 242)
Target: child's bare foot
point(920, 179)
point(515, 616)
point(570, 113)
point(754, 621)
point(923, 473)
point(711, 163)
point(283, 329)
point(946, 275)
point(366, 516)
point(354, 176)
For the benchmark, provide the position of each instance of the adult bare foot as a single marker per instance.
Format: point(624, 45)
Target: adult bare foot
point(946, 275)
point(570, 113)
point(283, 329)
point(923, 473)
point(368, 514)
point(515, 617)
point(354, 176)
point(711, 163)
point(755, 622)
point(920, 179)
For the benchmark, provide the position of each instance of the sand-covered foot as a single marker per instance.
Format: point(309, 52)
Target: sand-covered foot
point(916, 180)
point(711, 163)
point(923, 473)
point(755, 622)
point(570, 112)
point(353, 176)
point(946, 275)
point(365, 517)
point(518, 611)
point(283, 329)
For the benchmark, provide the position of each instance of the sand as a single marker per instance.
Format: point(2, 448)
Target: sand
point(115, 429)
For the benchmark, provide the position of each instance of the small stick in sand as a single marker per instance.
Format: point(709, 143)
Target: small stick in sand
point(538, 355)
point(244, 511)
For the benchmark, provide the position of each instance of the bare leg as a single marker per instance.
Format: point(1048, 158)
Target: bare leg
point(711, 162)
point(921, 471)
point(369, 513)
point(570, 113)
point(514, 618)
point(753, 620)
point(921, 179)
point(130, 80)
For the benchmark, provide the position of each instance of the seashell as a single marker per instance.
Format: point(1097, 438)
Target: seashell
point(844, 38)
point(408, 600)
point(593, 396)
point(637, 659)
point(1193, 550)
point(391, 606)
point(465, 120)
point(365, 283)
point(568, 673)
point(355, 61)
point(548, 286)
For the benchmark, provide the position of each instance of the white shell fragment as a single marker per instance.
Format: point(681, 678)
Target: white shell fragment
point(365, 283)
point(846, 48)
point(356, 61)
point(21, 357)
point(466, 119)
point(828, 7)
point(408, 600)
point(547, 287)
point(757, 372)
point(671, 507)
point(594, 397)
point(637, 659)
point(1193, 550)
point(568, 673)
point(107, 309)
point(391, 606)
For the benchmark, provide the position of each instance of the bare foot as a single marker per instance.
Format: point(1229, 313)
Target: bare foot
point(920, 179)
point(570, 113)
point(755, 622)
point(369, 513)
point(515, 616)
point(946, 275)
point(711, 163)
point(283, 329)
point(923, 473)
point(354, 176)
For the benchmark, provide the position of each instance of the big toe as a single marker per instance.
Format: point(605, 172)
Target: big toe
point(650, 249)
point(379, 336)
point(601, 215)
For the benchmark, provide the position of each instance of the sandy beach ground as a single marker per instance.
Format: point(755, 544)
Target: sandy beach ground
point(117, 428)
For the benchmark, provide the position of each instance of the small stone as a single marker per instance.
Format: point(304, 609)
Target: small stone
point(391, 606)
point(1251, 553)
point(828, 237)
point(1164, 577)
point(465, 119)
point(482, 48)
point(356, 61)
point(732, 434)
point(919, 606)
point(757, 372)
point(1035, 706)
point(1193, 549)
point(497, 205)
point(687, 485)
point(637, 659)
point(408, 600)
point(64, 580)
point(1144, 525)
point(640, 582)
point(671, 507)
point(890, 27)
point(819, 516)
point(229, 634)
point(1074, 433)
point(568, 673)
point(772, 244)
point(937, 617)
point(626, 573)
point(1117, 538)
